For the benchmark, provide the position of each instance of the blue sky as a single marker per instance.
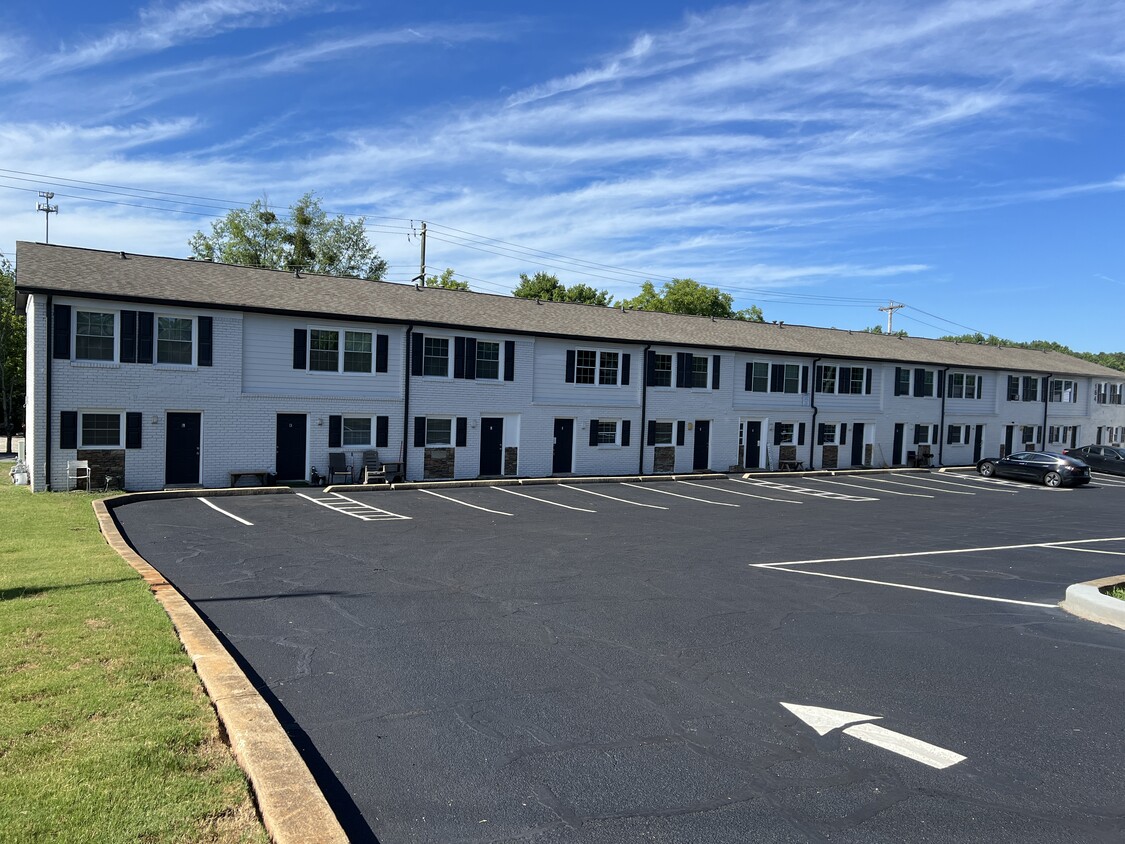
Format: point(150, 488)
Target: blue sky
point(817, 159)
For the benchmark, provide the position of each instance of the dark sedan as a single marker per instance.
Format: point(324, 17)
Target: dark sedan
point(1103, 458)
point(1042, 466)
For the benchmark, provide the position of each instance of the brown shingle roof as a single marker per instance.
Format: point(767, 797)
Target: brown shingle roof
point(140, 278)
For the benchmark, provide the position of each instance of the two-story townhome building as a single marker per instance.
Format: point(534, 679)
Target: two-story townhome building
point(163, 372)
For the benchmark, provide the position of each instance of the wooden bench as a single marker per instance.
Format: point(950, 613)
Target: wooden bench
point(791, 465)
point(262, 477)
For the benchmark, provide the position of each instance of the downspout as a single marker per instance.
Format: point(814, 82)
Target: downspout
point(49, 345)
point(815, 411)
point(406, 397)
point(941, 422)
point(644, 409)
point(1046, 405)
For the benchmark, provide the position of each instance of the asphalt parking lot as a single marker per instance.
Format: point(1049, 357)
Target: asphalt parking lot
point(611, 662)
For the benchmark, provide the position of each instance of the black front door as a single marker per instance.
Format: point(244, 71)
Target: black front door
point(978, 444)
point(491, 445)
point(896, 456)
point(857, 444)
point(563, 454)
point(181, 450)
point(1009, 435)
point(753, 445)
point(702, 459)
point(290, 446)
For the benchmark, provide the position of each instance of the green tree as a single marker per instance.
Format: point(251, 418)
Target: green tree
point(13, 339)
point(1114, 360)
point(687, 296)
point(548, 288)
point(878, 329)
point(309, 240)
point(446, 280)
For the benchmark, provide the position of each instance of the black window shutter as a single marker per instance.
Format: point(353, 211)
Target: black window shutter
point(819, 376)
point(650, 369)
point(940, 386)
point(844, 434)
point(626, 365)
point(820, 433)
point(570, 353)
point(777, 433)
point(509, 360)
point(898, 381)
point(419, 431)
point(777, 378)
point(68, 427)
point(60, 331)
point(625, 426)
point(335, 431)
point(144, 336)
point(1046, 391)
point(715, 360)
point(416, 354)
point(652, 431)
point(681, 432)
point(949, 435)
point(593, 432)
point(382, 423)
point(804, 379)
point(382, 346)
point(919, 434)
point(844, 384)
point(801, 434)
point(919, 383)
point(206, 340)
point(471, 358)
point(300, 347)
point(749, 376)
point(133, 425)
point(683, 369)
point(129, 336)
point(462, 431)
point(867, 382)
point(458, 357)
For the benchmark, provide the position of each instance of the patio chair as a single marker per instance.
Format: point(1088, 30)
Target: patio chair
point(338, 466)
point(76, 471)
point(373, 470)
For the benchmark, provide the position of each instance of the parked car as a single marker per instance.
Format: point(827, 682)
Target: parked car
point(1042, 466)
point(1104, 458)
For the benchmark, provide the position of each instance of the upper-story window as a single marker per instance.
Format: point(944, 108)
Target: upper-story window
point(845, 380)
point(94, 335)
point(324, 350)
point(357, 351)
point(174, 340)
point(920, 383)
point(1025, 388)
point(488, 360)
point(764, 377)
point(700, 372)
point(435, 356)
point(963, 385)
point(1064, 390)
point(661, 369)
point(339, 350)
point(596, 366)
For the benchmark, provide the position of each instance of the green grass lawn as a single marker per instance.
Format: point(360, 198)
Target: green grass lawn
point(106, 734)
point(1117, 592)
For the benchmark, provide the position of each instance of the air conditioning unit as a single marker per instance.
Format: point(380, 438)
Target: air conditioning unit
point(1029, 446)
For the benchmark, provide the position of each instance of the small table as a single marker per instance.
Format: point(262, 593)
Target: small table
point(791, 466)
point(235, 477)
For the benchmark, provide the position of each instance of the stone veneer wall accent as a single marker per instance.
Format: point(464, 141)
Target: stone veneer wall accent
point(105, 462)
point(664, 459)
point(787, 454)
point(439, 464)
point(511, 460)
point(831, 458)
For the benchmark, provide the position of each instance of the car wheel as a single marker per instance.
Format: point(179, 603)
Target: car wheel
point(1052, 479)
point(987, 469)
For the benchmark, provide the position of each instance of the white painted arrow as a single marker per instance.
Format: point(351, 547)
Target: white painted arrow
point(825, 721)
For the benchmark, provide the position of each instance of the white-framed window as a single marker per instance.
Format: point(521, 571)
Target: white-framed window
point(1064, 390)
point(957, 435)
point(1061, 434)
point(357, 431)
point(324, 350)
point(358, 351)
point(1101, 391)
point(662, 369)
point(1115, 392)
point(827, 381)
point(95, 335)
point(435, 356)
point(662, 433)
point(335, 350)
point(760, 377)
point(175, 340)
point(608, 363)
point(607, 431)
point(791, 383)
point(593, 366)
point(828, 433)
point(439, 431)
point(925, 434)
point(488, 360)
point(785, 433)
point(1030, 389)
point(101, 429)
point(701, 372)
point(1030, 433)
point(964, 385)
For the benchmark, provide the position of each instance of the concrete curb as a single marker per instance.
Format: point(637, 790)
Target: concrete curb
point(575, 479)
point(292, 807)
point(1086, 600)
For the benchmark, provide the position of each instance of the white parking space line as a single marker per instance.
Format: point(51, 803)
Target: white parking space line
point(577, 488)
point(1017, 485)
point(736, 492)
point(1107, 480)
point(355, 509)
point(1097, 551)
point(386, 513)
point(944, 480)
point(225, 513)
point(802, 490)
point(541, 500)
point(463, 503)
point(906, 586)
point(677, 495)
point(920, 485)
point(871, 488)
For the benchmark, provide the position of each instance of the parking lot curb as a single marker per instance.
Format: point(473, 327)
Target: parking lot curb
point(292, 807)
point(1086, 600)
point(575, 479)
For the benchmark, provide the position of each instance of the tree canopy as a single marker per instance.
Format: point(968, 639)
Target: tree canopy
point(1114, 360)
point(445, 280)
point(13, 339)
point(548, 288)
point(878, 329)
point(687, 296)
point(308, 240)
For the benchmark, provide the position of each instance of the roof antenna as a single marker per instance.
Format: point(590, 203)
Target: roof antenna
point(48, 209)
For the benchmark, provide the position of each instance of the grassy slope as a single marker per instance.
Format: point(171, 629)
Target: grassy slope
point(106, 734)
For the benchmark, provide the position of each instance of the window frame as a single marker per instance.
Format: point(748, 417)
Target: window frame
point(427, 356)
point(779, 436)
point(607, 443)
point(1060, 387)
point(596, 371)
point(825, 379)
point(369, 353)
point(659, 372)
point(118, 414)
point(955, 390)
point(701, 377)
point(321, 353)
point(448, 442)
point(371, 425)
point(115, 338)
point(830, 433)
point(763, 378)
point(194, 341)
point(488, 362)
point(658, 437)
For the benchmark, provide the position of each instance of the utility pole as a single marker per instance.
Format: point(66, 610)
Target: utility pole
point(422, 269)
point(890, 309)
point(48, 209)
